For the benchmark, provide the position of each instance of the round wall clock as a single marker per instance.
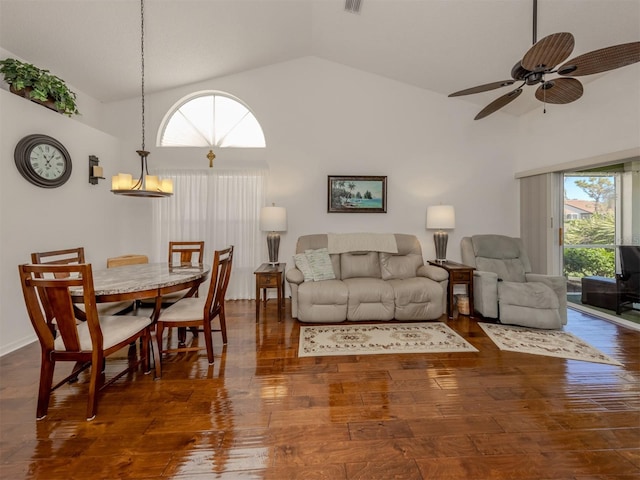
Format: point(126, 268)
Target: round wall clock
point(43, 161)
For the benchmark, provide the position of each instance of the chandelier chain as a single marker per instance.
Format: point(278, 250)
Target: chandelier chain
point(142, 64)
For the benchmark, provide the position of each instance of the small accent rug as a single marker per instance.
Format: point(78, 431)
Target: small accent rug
point(433, 337)
point(551, 343)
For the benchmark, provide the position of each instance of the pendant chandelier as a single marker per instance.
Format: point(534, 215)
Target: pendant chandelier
point(146, 185)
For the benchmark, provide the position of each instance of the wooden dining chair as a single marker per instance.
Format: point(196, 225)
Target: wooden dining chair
point(186, 253)
point(123, 260)
point(181, 254)
point(75, 256)
point(86, 343)
point(200, 312)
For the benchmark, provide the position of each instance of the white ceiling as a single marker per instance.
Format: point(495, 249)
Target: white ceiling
point(438, 45)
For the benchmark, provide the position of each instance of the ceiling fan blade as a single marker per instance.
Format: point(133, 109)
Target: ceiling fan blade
point(602, 60)
point(548, 52)
point(483, 88)
point(560, 91)
point(498, 103)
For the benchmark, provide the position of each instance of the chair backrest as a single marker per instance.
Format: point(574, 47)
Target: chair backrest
point(186, 253)
point(70, 256)
point(630, 259)
point(500, 254)
point(126, 260)
point(220, 273)
point(630, 267)
point(49, 284)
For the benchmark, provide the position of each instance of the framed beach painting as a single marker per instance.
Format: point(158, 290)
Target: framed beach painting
point(357, 194)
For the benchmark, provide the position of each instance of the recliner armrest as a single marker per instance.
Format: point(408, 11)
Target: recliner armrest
point(294, 276)
point(486, 276)
point(551, 280)
point(558, 284)
point(485, 293)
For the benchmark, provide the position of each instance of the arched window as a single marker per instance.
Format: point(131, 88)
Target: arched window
point(210, 119)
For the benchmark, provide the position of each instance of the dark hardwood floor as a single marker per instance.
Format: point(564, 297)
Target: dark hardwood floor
point(262, 412)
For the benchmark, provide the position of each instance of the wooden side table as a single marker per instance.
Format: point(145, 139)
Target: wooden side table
point(270, 276)
point(459, 274)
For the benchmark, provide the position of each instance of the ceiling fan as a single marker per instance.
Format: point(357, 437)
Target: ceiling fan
point(541, 60)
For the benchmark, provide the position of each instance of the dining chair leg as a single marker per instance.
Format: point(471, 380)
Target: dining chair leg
point(46, 381)
point(94, 385)
point(223, 325)
point(158, 351)
point(144, 351)
point(157, 355)
point(208, 341)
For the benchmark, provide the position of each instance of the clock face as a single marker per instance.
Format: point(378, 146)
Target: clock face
point(47, 161)
point(43, 161)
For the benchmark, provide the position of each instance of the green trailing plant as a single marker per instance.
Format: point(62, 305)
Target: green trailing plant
point(40, 85)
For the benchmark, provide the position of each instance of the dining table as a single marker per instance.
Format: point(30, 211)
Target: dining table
point(143, 281)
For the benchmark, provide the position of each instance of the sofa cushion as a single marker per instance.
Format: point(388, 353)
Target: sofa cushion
point(399, 266)
point(302, 264)
point(320, 264)
point(359, 265)
point(417, 298)
point(322, 301)
point(507, 269)
point(369, 299)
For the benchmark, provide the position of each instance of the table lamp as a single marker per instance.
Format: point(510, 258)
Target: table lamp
point(273, 220)
point(441, 217)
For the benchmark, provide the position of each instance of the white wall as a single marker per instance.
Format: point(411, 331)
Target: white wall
point(40, 219)
point(606, 119)
point(322, 118)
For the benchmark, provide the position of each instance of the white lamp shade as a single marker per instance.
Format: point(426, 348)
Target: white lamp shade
point(273, 219)
point(441, 217)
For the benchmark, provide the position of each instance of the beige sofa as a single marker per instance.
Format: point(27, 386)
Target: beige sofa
point(369, 284)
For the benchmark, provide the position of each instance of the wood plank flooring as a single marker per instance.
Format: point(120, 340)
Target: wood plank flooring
point(262, 412)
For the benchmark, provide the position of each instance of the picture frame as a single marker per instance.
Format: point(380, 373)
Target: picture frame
point(356, 194)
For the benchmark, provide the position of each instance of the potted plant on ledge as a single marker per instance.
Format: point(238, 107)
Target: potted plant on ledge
point(39, 86)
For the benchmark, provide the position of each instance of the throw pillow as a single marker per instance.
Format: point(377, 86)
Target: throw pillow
point(320, 263)
point(302, 264)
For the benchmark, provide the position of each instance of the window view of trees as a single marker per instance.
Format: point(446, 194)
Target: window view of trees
point(589, 227)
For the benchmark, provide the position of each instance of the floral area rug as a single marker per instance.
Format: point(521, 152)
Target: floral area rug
point(432, 337)
point(552, 343)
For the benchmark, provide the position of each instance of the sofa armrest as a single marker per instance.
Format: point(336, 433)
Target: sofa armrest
point(294, 276)
point(558, 284)
point(485, 293)
point(434, 273)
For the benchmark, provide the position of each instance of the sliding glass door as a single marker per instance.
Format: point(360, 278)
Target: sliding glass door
point(591, 227)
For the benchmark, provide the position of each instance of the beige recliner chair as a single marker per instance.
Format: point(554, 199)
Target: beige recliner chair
point(504, 287)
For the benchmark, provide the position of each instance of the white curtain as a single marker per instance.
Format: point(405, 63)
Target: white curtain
point(221, 207)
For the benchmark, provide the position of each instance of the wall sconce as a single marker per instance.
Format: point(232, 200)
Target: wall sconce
point(95, 170)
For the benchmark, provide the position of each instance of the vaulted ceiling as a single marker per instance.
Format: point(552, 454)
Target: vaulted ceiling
point(438, 45)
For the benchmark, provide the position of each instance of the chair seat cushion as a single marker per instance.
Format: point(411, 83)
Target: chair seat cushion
point(115, 329)
point(528, 294)
point(184, 310)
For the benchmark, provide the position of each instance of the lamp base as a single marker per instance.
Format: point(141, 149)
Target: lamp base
point(440, 239)
point(273, 245)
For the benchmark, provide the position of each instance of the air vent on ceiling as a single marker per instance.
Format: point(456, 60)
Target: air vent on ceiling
point(353, 6)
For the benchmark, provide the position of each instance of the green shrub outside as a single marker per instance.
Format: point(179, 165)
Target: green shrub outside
point(599, 229)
